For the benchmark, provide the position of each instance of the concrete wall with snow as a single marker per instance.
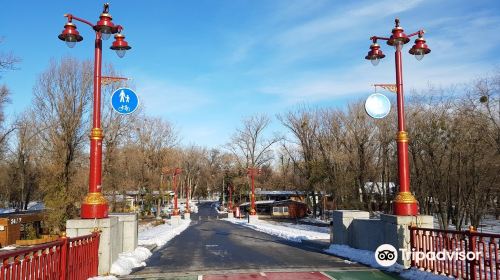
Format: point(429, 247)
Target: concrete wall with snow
point(119, 234)
point(367, 233)
point(128, 231)
point(355, 229)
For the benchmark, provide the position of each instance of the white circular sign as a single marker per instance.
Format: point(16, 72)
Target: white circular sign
point(377, 106)
point(386, 255)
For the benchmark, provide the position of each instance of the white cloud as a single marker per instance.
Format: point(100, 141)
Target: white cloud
point(162, 97)
point(345, 23)
point(458, 43)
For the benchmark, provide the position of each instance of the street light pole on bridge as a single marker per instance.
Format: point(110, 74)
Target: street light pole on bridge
point(405, 203)
point(252, 171)
point(95, 204)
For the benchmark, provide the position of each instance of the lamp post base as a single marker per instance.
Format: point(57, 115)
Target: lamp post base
point(176, 212)
point(94, 206)
point(405, 204)
point(94, 211)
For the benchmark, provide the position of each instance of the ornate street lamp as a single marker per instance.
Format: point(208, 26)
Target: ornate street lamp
point(94, 204)
point(230, 203)
point(188, 193)
point(405, 203)
point(176, 211)
point(252, 171)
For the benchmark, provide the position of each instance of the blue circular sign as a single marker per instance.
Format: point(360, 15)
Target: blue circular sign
point(124, 101)
point(377, 106)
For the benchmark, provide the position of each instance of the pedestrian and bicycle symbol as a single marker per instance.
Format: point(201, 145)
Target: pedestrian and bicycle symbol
point(124, 101)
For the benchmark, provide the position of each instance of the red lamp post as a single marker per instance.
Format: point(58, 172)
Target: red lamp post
point(95, 204)
point(405, 203)
point(187, 210)
point(230, 203)
point(177, 171)
point(252, 172)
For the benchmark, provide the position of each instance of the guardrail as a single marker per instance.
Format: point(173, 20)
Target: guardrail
point(64, 259)
point(477, 255)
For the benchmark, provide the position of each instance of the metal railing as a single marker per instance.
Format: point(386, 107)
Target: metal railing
point(64, 259)
point(476, 255)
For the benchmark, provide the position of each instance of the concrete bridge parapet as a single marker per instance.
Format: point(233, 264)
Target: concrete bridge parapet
point(356, 229)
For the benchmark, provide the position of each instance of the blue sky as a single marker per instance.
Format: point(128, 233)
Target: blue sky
point(204, 65)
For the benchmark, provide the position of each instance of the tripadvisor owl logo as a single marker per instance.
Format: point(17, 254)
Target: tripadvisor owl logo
point(386, 255)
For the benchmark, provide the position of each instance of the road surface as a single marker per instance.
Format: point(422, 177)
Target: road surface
point(215, 247)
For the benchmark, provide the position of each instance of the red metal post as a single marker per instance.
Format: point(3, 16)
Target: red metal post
point(63, 263)
point(251, 172)
point(472, 248)
point(230, 206)
point(95, 204)
point(176, 209)
point(95, 252)
point(187, 210)
point(405, 203)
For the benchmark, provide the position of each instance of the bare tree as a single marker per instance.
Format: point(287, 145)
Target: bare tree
point(249, 145)
point(117, 129)
point(153, 139)
point(4, 132)
point(27, 159)
point(61, 101)
point(304, 126)
point(8, 61)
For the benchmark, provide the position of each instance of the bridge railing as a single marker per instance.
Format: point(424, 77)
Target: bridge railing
point(463, 254)
point(64, 259)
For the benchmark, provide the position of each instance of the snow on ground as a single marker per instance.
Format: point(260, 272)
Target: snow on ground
point(161, 234)
point(7, 210)
point(128, 260)
point(302, 227)
point(291, 232)
point(144, 227)
point(488, 225)
point(216, 206)
point(36, 205)
point(368, 258)
point(158, 236)
point(314, 220)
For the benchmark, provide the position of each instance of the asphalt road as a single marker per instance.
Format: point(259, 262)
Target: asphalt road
point(213, 246)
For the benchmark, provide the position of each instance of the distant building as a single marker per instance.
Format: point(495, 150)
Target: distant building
point(281, 195)
point(277, 209)
point(379, 190)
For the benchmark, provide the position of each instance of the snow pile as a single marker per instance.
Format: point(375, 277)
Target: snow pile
point(36, 205)
point(361, 256)
point(368, 258)
point(145, 227)
point(158, 235)
point(128, 260)
point(314, 221)
point(295, 234)
point(7, 210)
point(303, 227)
point(194, 208)
point(488, 224)
point(161, 234)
